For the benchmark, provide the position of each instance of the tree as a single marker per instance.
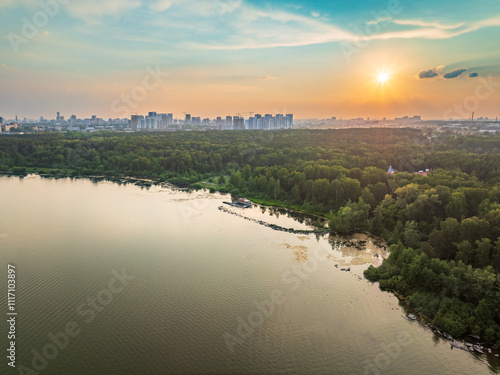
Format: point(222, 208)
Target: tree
point(443, 240)
point(457, 206)
point(368, 198)
point(473, 229)
point(482, 253)
point(353, 216)
point(465, 252)
point(495, 256)
point(246, 172)
point(397, 234)
point(411, 235)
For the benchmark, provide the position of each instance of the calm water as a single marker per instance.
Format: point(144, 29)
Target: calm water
point(198, 291)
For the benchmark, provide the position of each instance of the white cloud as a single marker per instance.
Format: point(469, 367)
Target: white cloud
point(256, 28)
point(379, 20)
point(435, 30)
point(161, 5)
point(205, 8)
point(435, 25)
point(97, 8)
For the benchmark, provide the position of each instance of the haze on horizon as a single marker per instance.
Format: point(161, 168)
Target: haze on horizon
point(371, 58)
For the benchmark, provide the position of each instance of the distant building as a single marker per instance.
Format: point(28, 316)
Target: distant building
point(391, 170)
point(423, 173)
point(279, 121)
point(158, 121)
point(268, 122)
point(289, 121)
point(134, 121)
point(238, 123)
point(170, 119)
point(407, 118)
point(12, 125)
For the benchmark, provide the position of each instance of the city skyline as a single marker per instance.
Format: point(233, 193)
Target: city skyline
point(314, 59)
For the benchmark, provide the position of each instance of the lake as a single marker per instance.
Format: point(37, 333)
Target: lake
point(119, 279)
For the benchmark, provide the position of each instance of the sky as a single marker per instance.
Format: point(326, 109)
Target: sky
point(316, 59)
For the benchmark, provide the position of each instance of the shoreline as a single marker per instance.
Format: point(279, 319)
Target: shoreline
point(144, 182)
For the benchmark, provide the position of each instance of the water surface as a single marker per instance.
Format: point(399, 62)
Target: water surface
point(195, 274)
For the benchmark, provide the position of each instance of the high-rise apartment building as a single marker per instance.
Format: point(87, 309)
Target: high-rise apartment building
point(289, 121)
point(279, 121)
point(134, 121)
point(229, 122)
point(238, 123)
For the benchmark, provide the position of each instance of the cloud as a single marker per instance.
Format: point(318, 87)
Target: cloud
point(431, 73)
point(473, 75)
point(454, 73)
point(259, 28)
point(92, 9)
point(434, 30)
point(315, 14)
point(161, 5)
point(253, 28)
point(420, 23)
point(378, 20)
point(266, 78)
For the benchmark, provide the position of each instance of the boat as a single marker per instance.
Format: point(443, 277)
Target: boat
point(412, 317)
point(478, 349)
point(240, 202)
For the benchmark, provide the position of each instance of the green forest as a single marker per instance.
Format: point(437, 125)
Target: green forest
point(444, 228)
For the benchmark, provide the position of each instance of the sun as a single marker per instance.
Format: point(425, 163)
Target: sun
point(383, 77)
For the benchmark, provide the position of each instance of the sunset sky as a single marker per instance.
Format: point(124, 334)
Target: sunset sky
point(114, 58)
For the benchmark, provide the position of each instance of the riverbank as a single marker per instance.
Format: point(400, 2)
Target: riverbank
point(321, 219)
